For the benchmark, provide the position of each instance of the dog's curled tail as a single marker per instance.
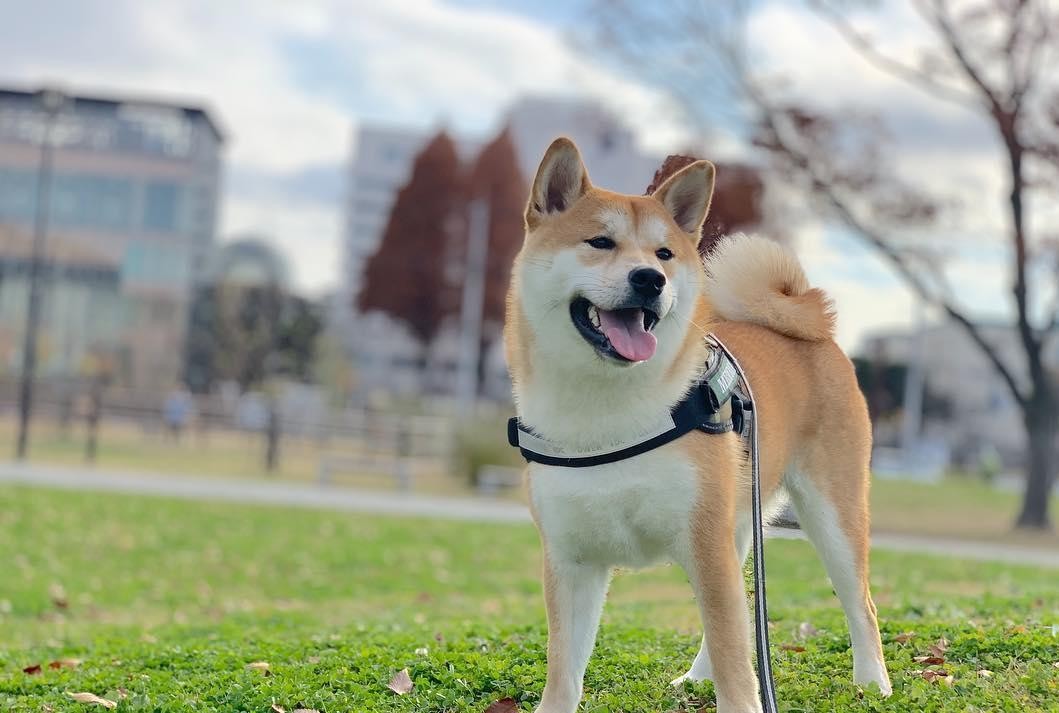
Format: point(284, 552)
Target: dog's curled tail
point(756, 280)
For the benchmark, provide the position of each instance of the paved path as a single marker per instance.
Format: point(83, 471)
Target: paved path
point(308, 495)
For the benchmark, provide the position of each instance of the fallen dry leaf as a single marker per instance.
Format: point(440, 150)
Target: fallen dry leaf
point(278, 708)
point(1056, 664)
point(422, 651)
point(313, 659)
point(65, 663)
point(905, 637)
point(936, 676)
point(122, 693)
point(31, 670)
point(47, 708)
point(504, 705)
point(984, 673)
point(92, 698)
point(929, 660)
point(792, 647)
point(805, 630)
point(939, 647)
point(401, 683)
point(305, 710)
point(261, 666)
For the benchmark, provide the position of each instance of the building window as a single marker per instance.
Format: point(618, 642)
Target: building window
point(161, 206)
point(17, 193)
point(149, 264)
point(89, 202)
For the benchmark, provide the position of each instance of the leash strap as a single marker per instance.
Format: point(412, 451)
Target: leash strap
point(761, 615)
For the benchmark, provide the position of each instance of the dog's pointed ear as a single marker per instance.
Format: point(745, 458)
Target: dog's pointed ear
point(687, 195)
point(560, 181)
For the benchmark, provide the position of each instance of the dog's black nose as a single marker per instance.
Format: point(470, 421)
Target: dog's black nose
point(647, 282)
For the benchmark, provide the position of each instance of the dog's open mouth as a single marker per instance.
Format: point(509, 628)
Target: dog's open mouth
point(623, 334)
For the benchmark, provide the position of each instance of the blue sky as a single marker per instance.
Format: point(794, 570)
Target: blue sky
point(290, 80)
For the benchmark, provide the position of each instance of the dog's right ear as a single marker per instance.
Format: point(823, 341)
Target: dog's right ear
point(561, 180)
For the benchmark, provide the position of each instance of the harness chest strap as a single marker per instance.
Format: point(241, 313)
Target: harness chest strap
point(712, 406)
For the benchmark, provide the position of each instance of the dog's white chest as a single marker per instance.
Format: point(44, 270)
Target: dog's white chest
point(631, 513)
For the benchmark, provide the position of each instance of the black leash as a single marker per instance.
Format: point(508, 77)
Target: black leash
point(761, 614)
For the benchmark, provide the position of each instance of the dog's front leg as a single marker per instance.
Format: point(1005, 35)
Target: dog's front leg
point(573, 595)
point(717, 576)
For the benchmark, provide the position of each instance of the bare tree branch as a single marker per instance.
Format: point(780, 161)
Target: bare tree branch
point(1005, 112)
point(906, 72)
point(943, 23)
point(888, 251)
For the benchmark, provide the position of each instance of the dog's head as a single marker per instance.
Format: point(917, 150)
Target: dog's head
point(606, 277)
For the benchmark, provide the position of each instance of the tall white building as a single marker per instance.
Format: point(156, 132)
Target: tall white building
point(382, 164)
point(384, 353)
point(608, 147)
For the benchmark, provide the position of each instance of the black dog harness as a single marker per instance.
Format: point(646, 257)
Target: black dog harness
point(721, 401)
point(712, 406)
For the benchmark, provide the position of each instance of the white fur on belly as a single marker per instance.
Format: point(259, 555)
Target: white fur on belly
point(631, 514)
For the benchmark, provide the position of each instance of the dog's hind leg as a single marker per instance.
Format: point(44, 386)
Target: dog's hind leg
point(834, 515)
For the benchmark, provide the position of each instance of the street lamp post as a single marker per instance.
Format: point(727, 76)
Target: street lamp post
point(471, 307)
point(51, 101)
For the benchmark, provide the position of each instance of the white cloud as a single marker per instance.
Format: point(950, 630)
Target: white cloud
point(287, 80)
point(863, 305)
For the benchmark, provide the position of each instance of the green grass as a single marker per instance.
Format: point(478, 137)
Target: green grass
point(957, 507)
point(166, 602)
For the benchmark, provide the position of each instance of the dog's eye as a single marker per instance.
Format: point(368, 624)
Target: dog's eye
point(602, 242)
point(664, 253)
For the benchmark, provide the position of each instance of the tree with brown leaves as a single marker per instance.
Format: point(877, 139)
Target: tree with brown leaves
point(497, 180)
point(992, 58)
point(737, 198)
point(406, 277)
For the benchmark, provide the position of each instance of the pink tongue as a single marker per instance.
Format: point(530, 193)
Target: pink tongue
point(624, 329)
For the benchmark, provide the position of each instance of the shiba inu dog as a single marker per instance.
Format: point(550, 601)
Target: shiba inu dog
point(607, 313)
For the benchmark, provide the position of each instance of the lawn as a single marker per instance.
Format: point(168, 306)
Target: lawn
point(161, 605)
point(144, 449)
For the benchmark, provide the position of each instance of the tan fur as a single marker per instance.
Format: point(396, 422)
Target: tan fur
point(815, 435)
point(757, 280)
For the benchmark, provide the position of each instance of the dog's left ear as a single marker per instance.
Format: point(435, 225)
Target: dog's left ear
point(687, 194)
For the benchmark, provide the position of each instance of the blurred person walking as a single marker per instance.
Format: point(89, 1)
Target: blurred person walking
point(177, 410)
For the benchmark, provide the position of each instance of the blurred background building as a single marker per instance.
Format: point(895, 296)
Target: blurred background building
point(966, 410)
point(131, 221)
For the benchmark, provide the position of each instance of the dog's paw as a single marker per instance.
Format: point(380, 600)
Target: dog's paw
point(692, 677)
point(874, 680)
point(882, 688)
